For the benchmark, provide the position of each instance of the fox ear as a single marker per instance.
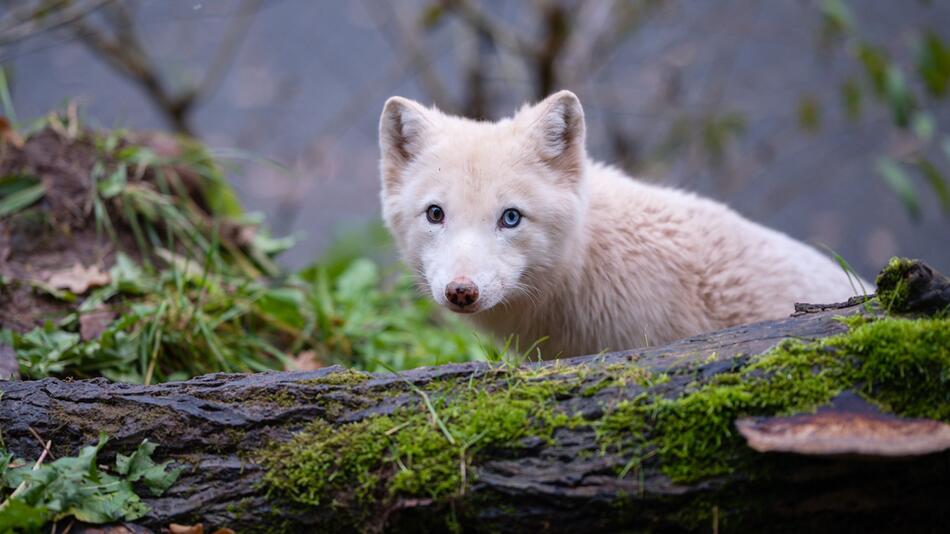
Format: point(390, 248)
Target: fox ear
point(558, 131)
point(402, 127)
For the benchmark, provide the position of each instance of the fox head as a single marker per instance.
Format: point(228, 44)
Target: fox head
point(486, 214)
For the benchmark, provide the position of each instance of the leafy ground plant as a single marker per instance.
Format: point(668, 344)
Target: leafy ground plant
point(35, 494)
point(128, 256)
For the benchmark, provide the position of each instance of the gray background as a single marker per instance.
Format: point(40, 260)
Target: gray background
point(309, 80)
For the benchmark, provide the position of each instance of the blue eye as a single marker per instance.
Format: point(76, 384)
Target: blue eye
point(510, 218)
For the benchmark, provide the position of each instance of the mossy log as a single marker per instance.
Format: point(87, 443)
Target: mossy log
point(841, 429)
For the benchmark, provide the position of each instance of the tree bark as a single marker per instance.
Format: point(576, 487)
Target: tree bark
point(214, 425)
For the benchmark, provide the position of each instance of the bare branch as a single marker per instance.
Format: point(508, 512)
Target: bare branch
point(497, 31)
point(24, 25)
point(418, 57)
point(227, 50)
point(124, 51)
point(127, 56)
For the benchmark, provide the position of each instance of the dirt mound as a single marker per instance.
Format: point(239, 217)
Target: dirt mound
point(56, 232)
point(101, 195)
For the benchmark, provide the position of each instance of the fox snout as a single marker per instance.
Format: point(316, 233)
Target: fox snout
point(461, 292)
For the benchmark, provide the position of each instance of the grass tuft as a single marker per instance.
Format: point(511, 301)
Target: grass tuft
point(194, 286)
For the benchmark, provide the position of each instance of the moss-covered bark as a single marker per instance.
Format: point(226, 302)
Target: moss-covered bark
point(642, 439)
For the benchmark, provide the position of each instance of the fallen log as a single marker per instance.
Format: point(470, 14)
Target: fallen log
point(830, 420)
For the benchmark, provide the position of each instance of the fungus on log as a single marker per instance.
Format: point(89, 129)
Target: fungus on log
point(831, 419)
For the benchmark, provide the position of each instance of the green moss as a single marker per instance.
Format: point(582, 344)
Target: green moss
point(282, 398)
point(905, 365)
point(239, 509)
point(346, 377)
point(855, 320)
point(112, 418)
point(415, 452)
point(324, 456)
point(891, 283)
point(622, 375)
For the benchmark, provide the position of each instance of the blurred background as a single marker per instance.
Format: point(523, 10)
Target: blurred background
point(827, 119)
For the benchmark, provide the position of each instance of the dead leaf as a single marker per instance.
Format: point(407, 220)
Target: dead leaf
point(186, 266)
point(8, 134)
point(78, 279)
point(165, 146)
point(92, 324)
point(9, 366)
point(305, 361)
point(82, 528)
point(194, 529)
point(246, 234)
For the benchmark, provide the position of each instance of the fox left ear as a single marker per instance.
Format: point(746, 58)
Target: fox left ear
point(559, 133)
point(402, 127)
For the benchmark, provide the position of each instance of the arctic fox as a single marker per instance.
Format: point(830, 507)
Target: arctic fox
point(512, 223)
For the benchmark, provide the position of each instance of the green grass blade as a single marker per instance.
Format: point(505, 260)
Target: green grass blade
point(22, 199)
point(5, 98)
point(428, 403)
point(898, 180)
point(852, 275)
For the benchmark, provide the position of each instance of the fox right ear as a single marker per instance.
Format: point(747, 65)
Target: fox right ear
point(402, 127)
point(558, 132)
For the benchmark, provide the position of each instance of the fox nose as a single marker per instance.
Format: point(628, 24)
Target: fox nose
point(461, 292)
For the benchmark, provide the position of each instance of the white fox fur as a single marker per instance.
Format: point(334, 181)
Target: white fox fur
point(599, 260)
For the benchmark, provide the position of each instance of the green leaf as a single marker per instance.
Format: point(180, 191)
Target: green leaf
point(933, 64)
point(361, 276)
point(838, 17)
point(272, 246)
point(923, 126)
point(937, 182)
point(43, 351)
point(86, 460)
point(432, 15)
point(140, 467)
point(222, 199)
point(17, 516)
point(851, 98)
point(900, 183)
point(809, 114)
point(217, 192)
point(875, 63)
point(284, 304)
point(21, 199)
point(74, 486)
point(5, 457)
point(115, 183)
point(106, 507)
point(60, 294)
point(138, 155)
point(128, 277)
point(12, 183)
point(111, 142)
point(718, 131)
point(5, 98)
point(901, 101)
